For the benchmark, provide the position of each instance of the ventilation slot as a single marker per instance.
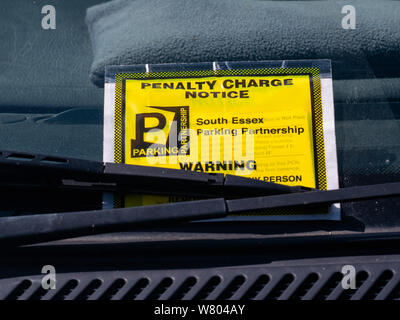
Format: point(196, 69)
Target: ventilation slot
point(282, 285)
point(113, 289)
point(19, 290)
point(20, 157)
point(329, 286)
point(361, 277)
point(54, 160)
point(232, 288)
point(184, 288)
point(66, 290)
point(378, 286)
point(395, 294)
point(257, 286)
point(136, 289)
point(160, 289)
point(38, 294)
point(305, 286)
point(208, 288)
point(89, 290)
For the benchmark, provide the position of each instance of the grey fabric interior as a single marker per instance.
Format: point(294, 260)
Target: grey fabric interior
point(46, 67)
point(47, 102)
point(161, 31)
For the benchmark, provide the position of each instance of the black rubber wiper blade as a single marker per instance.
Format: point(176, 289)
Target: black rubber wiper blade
point(314, 198)
point(45, 169)
point(37, 164)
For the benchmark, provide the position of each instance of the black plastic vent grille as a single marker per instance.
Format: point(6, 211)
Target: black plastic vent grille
point(320, 281)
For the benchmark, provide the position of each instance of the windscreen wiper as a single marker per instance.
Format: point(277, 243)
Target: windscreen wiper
point(227, 195)
point(46, 227)
point(42, 171)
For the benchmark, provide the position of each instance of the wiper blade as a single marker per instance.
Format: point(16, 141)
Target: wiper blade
point(314, 198)
point(38, 228)
point(18, 168)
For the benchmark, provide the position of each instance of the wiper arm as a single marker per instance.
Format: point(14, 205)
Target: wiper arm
point(46, 227)
point(37, 228)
